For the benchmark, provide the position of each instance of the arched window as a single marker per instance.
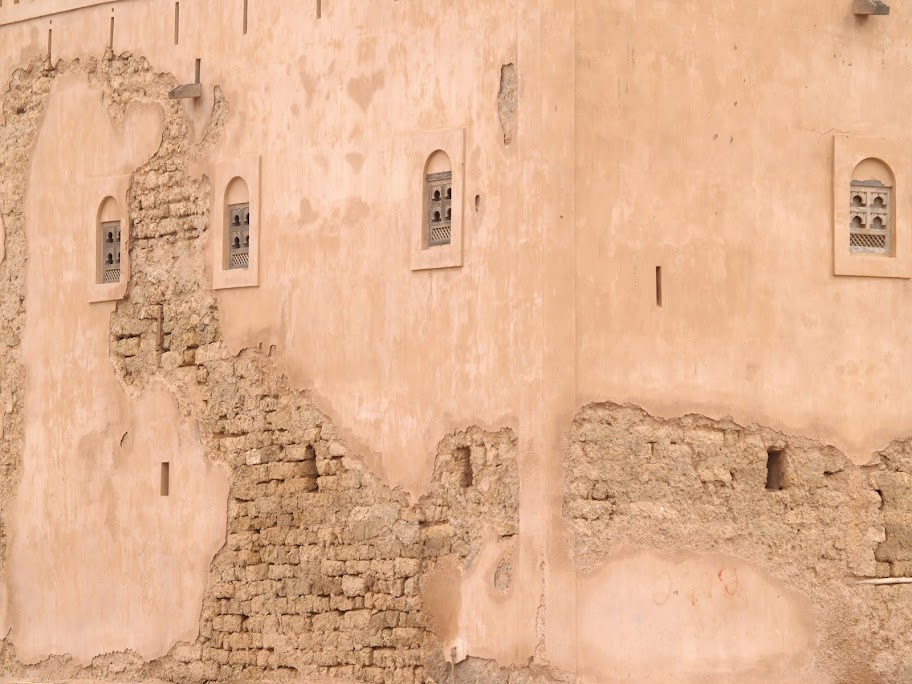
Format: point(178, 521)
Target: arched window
point(871, 224)
point(109, 243)
point(237, 199)
point(438, 192)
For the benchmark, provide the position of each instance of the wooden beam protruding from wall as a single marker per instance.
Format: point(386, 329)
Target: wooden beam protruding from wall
point(871, 7)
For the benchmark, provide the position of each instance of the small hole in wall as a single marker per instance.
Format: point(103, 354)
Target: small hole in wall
point(165, 478)
point(477, 202)
point(775, 469)
point(464, 463)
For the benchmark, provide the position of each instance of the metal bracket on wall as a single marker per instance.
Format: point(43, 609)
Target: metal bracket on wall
point(871, 7)
point(189, 90)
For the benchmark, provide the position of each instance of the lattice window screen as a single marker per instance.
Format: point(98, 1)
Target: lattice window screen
point(440, 199)
point(870, 226)
point(238, 236)
point(110, 252)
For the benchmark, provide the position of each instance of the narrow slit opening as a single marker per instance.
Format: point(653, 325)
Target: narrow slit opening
point(658, 286)
point(177, 15)
point(165, 478)
point(464, 463)
point(50, 44)
point(111, 36)
point(319, 8)
point(775, 470)
point(245, 17)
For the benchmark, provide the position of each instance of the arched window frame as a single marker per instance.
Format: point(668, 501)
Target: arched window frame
point(224, 200)
point(108, 207)
point(436, 244)
point(872, 167)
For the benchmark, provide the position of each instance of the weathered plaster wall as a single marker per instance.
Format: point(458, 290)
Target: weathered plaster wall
point(322, 564)
point(386, 468)
point(767, 588)
point(710, 122)
point(94, 547)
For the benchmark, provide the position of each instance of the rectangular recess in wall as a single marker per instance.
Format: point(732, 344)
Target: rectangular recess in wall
point(775, 470)
point(658, 286)
point(111, 36)
point(177, 17)
point(245, 17)
point(319, 8)
point(165, 479)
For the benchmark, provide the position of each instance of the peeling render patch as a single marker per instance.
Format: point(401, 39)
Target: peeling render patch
point(699, 486)
point(321, 573)
point(506, 102)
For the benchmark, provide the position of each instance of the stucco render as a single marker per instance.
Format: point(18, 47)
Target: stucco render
point(525, 468)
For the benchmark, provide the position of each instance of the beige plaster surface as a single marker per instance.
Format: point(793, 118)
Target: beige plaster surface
point(702, 123)
point(99, 561)
point(716, 616)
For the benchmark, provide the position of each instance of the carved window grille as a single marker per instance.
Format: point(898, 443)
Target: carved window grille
point(440, 199)
point(110, 252)
point(870, 226)
point(238, 236)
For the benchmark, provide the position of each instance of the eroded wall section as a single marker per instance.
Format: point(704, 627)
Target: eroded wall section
point(324, 570)
point(709, 551)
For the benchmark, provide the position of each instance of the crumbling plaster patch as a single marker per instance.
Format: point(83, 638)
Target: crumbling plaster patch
point(697, 487)
point(323, 565)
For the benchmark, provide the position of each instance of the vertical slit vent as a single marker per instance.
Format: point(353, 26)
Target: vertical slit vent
point(658, 286)
point(319, 8)
point(245, 17)
point(165, 478)
point(464, 465)
point(111, 37)
point(177, 18)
